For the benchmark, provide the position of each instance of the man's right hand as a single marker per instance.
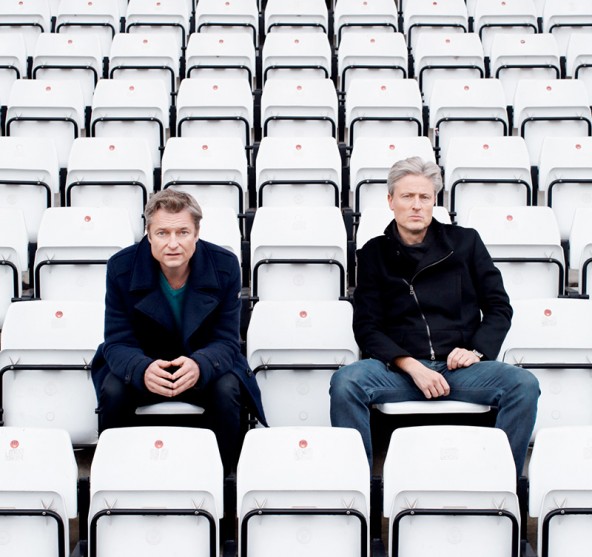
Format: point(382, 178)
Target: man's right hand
point(158, 379)
point(431, 383)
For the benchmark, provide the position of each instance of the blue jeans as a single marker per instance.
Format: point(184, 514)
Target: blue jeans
point(513, 390)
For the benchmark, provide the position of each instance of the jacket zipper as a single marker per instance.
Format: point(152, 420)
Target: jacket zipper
point(412, 293)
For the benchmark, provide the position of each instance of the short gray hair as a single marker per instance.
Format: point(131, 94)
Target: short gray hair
point(173, 201)
point(414, 166)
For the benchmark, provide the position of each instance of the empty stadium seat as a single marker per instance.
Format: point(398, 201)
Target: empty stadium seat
point(383, 108)
point(62, 56)
point(38, 497)
point(220, 226)
point(578, 60)
point(305, 15)
point(81, 17)
point(550, 108)
point(47, 348)
point(303, 488)
point(132, 108)
point(487, 171)
point(29, 178)
point(298, 253)
point(211, 107)
point(523, 56)
point(352, 17)
point(294, 359)
point(30, 19)
point(221, 55)
point(580, 248)
point(47, 108)
point(73, 246)
point(369, 54)
point(155, 489)
point(296, 54)
point(232, 17)
point(111, 172)
point(299, 108)
point(466, 108)
point(298, 172)
point(445, 55)
point(550, 338)
point(13, 64)
point(525, 245)
point(563, 19)
point(560, 494)
point(451, 490)
point(565, 177)
point(212, 169)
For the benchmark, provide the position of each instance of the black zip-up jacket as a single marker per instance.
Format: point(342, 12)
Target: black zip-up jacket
point(456, 298)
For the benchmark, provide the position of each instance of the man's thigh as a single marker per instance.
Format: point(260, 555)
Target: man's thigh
point(379, 383)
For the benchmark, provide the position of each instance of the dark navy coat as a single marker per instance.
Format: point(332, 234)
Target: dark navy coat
point(140, 327)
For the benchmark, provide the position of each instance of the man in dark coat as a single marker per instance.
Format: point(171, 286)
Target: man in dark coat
point(430, 315)
point(172, 311)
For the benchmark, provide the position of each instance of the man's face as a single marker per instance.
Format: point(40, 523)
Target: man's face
point(413, 204)
point(172, 238)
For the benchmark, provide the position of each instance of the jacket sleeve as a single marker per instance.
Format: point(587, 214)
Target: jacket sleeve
point(368, 320)
point(493, 300)
point(121, 350)
point(219, 355)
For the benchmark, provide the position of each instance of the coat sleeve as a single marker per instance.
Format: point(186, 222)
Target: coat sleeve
point(121, 349)
point(493, 300)
point(368, 320)
point(220, 354)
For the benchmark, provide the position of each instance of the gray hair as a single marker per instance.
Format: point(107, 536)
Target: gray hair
point(415, 166)
point(172, 201)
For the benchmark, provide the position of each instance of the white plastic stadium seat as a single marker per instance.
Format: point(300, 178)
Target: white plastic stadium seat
point(111, 172)
point(306, 15)
point(154, 488)
point(219, 225)
point(353, 17)
point(369, 54)
point(525, 245)
point(298, 253)
point(560, 490)
point(565, 177)
point(565, 18)
point(47, 348)
point(132, 108)
point(299, 108)
point(212, 169)
point(77, 58)
point(451, 491)
point(73, 247)
point(578, 59)
point(550, 108)
point(47, 108)
point(294, 359)
point(383, 108)
point(28, 19)
point(298, 171)
point(550, 338)
point(487, 171)
point(29, 178)
point(213, 16)
point(38, 475)
point(303, 488)
point(13, 63)
point(580, 248)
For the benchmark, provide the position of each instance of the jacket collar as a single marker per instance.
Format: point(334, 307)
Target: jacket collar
point(201, 296)
point(440, 249)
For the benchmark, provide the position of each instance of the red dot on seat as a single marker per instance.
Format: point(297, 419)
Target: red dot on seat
point(14, 444)
point(59, 314)
point(303, 314)
point(548, 313)
point(303, 443)
point(158, 444)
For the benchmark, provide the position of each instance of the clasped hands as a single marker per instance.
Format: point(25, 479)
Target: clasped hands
point(170, 379)
point(431, 383)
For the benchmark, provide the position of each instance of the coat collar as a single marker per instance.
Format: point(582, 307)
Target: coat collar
point(440, 249)
point(201, 296)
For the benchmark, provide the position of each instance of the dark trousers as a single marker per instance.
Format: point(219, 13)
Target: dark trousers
point(221, 400)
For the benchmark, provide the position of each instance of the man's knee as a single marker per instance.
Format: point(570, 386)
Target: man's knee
point(115, 403)
point(226, 391)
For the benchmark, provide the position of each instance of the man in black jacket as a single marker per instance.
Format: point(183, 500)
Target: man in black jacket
point(430, 316)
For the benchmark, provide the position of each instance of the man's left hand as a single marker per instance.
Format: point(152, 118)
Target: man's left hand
point(186, 376)
point(461, 357)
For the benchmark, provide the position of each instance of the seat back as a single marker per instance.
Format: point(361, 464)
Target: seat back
point(155, 488)
point(47, 348)
point(305, 487)
point(443, 479)
point(38, 476)
point(294, 360)
point(13, 256)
